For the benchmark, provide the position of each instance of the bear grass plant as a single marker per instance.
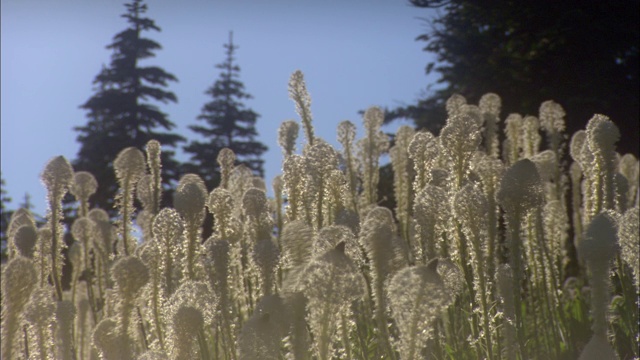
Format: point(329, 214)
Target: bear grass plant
point(473, 263)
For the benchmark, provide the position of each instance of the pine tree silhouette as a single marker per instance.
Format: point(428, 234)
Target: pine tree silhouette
point(120, 114)
point(227, 124)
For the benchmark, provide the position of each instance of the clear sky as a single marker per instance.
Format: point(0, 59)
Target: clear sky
point(354, 54)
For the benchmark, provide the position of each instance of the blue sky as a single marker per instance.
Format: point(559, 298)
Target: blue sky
point(354, 54)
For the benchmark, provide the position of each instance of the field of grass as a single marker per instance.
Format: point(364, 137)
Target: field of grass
point(509, 240)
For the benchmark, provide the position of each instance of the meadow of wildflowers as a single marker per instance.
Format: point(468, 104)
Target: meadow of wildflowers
point(473, 263)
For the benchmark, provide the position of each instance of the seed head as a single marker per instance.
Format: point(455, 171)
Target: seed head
point(75, 256)
point(629, 240)
point(490, 103)
point(196, 294)
point(217, 252)
point(65, 311)
point(474, 113)
point(520, 188)
point(602, 134)
point(346, 133)
point(226, 158)
point(153, 148)
point(321, 158)
point(84, 185)
point(287, 136)
point(259, 338)
point(600, 244)
point(105, 230)
point(65, 316)
point(83, 230)
point(19, 217)
point(168, 226)
point(98, 215)
point(578, 139)
point(331, 278)
point(187, 321)
point(41, 308)
point(130, 274)
point(57, 176)
point(546, 163)
point(266, 254)
point(112, 344)
point(373, 118)
point(254, 202)
point(220, 202)
point(470, 208)
point(552, 117)
point(330, 236)
point(144, 190)
point(129, 164)
point(416, 296)
point(296, 242)
point(190, 197)
point(25, 239)
point(460, 137)
point(19, 278)
point(454, 105)
point(300, 96)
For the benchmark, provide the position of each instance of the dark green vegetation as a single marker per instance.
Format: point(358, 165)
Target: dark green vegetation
point(583, 55)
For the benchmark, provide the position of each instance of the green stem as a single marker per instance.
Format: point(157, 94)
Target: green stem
point(156, 314)
point(55, 209)
point(41, 342)
point(125, 216)
point(143, 332)
point(413, 333)
point(515, 260)
point(323, 339)
point(345, 335)
point(202, 343)
point(26, 341)
point(192, 235)
point(89, 280)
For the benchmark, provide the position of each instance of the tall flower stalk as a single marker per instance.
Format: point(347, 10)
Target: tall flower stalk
point(520, 191)
point(129, 166)
point(57, 177)
point(370, 148)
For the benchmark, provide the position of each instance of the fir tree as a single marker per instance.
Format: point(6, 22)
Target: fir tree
point(5, 217)
point(120, 114)
point(530, 52)
point(227, 124)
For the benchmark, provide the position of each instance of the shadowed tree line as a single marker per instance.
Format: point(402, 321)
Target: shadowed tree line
point(581, 54)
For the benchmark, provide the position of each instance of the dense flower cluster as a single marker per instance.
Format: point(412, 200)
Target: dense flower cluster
point(473, 262)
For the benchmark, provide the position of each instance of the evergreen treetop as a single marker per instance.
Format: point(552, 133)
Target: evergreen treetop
point(227, 124)
point(122, 112)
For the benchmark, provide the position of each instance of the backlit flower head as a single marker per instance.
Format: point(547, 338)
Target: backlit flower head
point(190, 198)
point(287, 136)
point(129, 164)
point(84, 185)
point(57, 176)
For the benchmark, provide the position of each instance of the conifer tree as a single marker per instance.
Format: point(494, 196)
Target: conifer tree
point(530, 52)
point(227, 124)
point(5, 216)
point(120, 112)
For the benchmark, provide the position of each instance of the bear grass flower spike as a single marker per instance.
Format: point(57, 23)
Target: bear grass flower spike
point(474, 261)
